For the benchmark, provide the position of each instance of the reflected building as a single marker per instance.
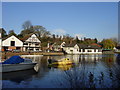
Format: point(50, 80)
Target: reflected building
point(78, 58)
point(89, 58)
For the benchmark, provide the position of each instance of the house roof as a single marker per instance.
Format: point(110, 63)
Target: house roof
point(84, 46)
point(69, 45)
point(27, 36)
point(96, 44)
point(8, 37)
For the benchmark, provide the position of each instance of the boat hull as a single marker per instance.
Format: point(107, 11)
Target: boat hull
point(17, 67)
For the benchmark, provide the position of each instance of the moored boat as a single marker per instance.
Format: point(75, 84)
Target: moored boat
point(16, 63)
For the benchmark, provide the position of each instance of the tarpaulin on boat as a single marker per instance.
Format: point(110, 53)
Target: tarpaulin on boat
point(14, 60)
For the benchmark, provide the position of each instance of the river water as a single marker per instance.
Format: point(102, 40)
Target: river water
point(88, 71)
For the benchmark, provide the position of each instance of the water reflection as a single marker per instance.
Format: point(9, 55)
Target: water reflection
point(19, 75)
point(61, 67)
point(89, 71)
point(89, 74)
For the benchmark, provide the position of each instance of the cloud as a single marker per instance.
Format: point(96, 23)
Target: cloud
point(59, 31)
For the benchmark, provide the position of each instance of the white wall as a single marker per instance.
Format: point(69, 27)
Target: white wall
point(7, 42)
point(75, 50)
point(71, 50)
point(33, 38)
point(92, 51)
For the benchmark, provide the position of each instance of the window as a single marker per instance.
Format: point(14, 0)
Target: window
point(12, 43)
point(89, 50)
point(83, 50)
point(36, 44)
point(99, 50)
point(94, 50)
point(25, 43)
point(37, 49)
point(79, 50)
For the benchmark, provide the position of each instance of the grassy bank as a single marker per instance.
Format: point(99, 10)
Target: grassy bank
point(9, 54)
point(32, 53)
point(108, 52)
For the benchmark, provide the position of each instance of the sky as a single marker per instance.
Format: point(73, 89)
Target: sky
point(84, 19)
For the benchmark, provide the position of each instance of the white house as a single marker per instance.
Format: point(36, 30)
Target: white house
point(12, 43)
point(71, 49)
point(31, 43)
point(82, 49)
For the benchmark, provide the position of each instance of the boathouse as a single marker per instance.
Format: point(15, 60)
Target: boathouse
point(11, 43)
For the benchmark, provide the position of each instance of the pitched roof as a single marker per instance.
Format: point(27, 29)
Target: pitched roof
point(8, 37)
point(84, 46)
point(69, 45)
point(96, 44)
point(27, 36)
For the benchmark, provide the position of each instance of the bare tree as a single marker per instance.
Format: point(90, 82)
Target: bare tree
point(27, 25)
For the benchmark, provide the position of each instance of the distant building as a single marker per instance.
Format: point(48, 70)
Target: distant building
point(11, 43)
point(117, 49)
point(82, 49)
point(31, 43)
point(57, 48)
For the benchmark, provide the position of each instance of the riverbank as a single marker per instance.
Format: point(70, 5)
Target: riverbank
point(108, 52)
point(32, 53)
point(41, 53)
point(5, 55)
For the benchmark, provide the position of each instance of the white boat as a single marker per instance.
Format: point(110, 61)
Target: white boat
point(27, 64)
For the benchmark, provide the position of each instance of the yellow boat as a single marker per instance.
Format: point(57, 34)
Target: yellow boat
point(64, 67)
point(61, 67)
point(63, 64)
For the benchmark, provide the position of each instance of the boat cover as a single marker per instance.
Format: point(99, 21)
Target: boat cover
point(14, 60)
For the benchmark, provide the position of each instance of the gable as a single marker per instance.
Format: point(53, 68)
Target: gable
point(33, 35)
point(33, 38)
point(7, 42)
point(76, 46)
